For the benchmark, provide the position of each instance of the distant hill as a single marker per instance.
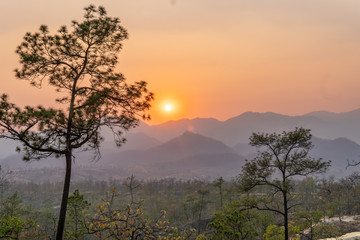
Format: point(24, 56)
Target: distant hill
point(188, 155)
point(134, 141)
point(201, 147)
point(339, 151)
point(239, 128)
point(188, 145)
point(171, 129)
point(7, 148)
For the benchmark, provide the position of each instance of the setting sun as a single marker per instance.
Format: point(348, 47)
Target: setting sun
point(168, 107)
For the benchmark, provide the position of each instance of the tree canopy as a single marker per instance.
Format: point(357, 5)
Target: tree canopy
point(281, 157)
point(81, 64)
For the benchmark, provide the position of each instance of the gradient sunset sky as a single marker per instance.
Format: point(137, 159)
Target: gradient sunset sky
point(213, 58)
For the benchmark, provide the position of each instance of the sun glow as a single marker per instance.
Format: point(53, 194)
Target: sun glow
point(168, 107)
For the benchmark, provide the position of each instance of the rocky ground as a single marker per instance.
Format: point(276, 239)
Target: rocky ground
point(348, 228)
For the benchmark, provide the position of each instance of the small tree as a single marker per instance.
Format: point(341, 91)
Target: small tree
point(76, 211)
point(4, 183)
point(80, 64)
point(132, 184)
point(11, 207)
point(280, 158)
point(125, 222)
point(12, 220)
point(307, 220)
point(202, 205)
point(219, 182)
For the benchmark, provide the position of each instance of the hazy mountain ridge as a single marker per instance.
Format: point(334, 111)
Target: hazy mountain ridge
point(353, 115)
point(207, 147)
point(323, 124)
point(188, 155)
point(186, 146)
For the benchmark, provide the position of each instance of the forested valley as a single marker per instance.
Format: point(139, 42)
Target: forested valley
point(175, 209)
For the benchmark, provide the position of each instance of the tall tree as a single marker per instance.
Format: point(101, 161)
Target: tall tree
point(202, 205)
point(80, 64)
point(280, 158)
point(219, 182)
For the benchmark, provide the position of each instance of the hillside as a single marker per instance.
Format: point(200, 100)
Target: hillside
point(239, 128)
point(202, 147)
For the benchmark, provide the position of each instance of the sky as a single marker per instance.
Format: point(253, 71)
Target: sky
point(213, 58)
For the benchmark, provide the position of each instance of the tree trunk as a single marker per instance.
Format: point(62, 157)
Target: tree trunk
point(199, 219)
point(286, 221)
point(221, 197)
point(62, 216)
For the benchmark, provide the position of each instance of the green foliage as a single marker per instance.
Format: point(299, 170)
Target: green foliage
point(281, 157)
point(15, 228)
point(75, 228)
point(308, 193)
point(11, 227)
point(274, 232)
point(201, 237)
point(201, 205)
point(43, 198)
point(15, 222)
point(191, 206)
point(325, 230)
point(236, 222)
point(11, 207)
point(124, 223)
point(307, 220)
point(4, 183)
point(219, 184)
point(284, 154)
point(46, 221)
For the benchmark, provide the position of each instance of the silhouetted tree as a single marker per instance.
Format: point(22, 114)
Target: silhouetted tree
point(80, 64)
point(280, 158)
point(132, 184)
point(202, 205)
point(219, 184)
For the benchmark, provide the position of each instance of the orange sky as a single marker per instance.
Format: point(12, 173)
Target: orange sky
point(214, 58)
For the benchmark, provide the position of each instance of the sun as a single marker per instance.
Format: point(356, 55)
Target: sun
point(168, 107)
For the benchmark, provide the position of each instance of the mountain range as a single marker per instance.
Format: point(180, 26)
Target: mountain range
point(199, 148)
point(238, 129)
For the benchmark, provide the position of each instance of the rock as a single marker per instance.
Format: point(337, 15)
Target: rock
point(348, 236)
